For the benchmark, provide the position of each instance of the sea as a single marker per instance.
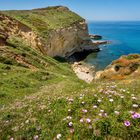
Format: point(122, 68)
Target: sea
point(124, 37)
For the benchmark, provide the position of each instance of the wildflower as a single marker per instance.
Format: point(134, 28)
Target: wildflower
point(95, 95)
point(70, 124)
point(111, 100)
point(122, 97)
point(117, 112)
point(27, 121)
point(36, 137)
point(49, 110)
point(69, 117)
point(100, 114)
point(131, 112)
point(80, 97)
point(58, 136)
point(81, 120)
point(69, 110)
point(99, 100)
point(64, 119)
point(88, 120)
point(71, 130)
point(126, 123)
point(136, 116)
point(83, 102)
point(134, 98)
point(84, 110)
point(11, 138)
point(102, 111)
point(135, 105)
point(95, 106)
point(104, 114)
point(70, 100)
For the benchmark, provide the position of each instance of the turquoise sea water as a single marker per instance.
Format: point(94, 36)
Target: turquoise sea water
point(125, 37)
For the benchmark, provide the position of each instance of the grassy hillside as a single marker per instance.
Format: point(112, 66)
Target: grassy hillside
point(41, 98)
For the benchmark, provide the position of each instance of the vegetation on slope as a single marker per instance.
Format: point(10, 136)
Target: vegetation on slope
point(41, 98)
point(43, 20)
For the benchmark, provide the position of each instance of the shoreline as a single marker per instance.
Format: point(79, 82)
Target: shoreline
point(84, 71)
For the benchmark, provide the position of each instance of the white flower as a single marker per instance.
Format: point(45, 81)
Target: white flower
point(71, 100)
point(69, 110)
point(81, 120)
point(95, 95)
point(69, 117)
point(70, 124)
point(122, 97)
point(80, 97)
point(117, 112)
point(111, 100)
point(100, 114)
point(27, 121)
point(83, 102)
point(58, 136)
point(99, 100)
point(102, 111)
point(135, 105)
point(134, 98)
point(95, 106)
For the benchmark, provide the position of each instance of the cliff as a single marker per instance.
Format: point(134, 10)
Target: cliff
point(126, 67)
point(55, 31)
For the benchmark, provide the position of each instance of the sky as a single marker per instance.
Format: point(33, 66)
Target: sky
point(91, 10)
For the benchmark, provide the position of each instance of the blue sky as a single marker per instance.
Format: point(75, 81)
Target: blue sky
point(89, 9)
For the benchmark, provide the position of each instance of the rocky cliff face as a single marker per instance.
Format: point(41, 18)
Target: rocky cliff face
point(55, 31)
point(123, 68)
point(66, 41)
point(10, 27)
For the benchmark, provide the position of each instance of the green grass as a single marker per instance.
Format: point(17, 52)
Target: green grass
point(45, 113)
point(42, 21)
point(40, 97)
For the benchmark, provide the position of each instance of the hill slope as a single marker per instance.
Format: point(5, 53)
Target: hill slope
point(41, 98)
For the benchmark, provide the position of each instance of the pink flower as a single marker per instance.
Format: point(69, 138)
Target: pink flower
point(71, 130)
point(70, 124)
point(36, 137)
point(126, 123)
point(84, 110)
point(136, 116)
point(88, 120)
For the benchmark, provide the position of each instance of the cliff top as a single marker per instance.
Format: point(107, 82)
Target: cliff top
point(44, 19)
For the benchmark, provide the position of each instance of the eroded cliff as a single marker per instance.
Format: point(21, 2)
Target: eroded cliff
point(55, 31)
